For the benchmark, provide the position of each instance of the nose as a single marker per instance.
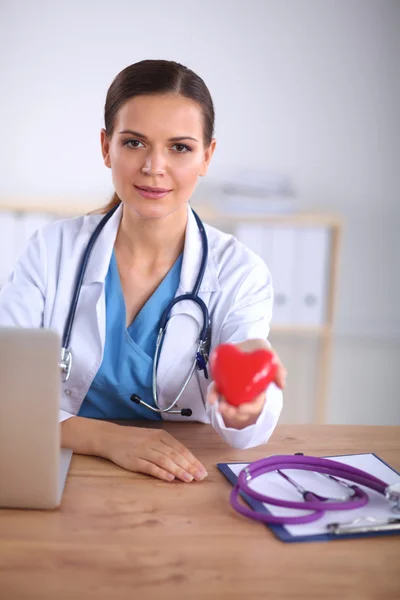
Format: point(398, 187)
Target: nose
point(154, 164)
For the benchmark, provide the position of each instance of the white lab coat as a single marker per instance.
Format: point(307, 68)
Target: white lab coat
point(236, 288)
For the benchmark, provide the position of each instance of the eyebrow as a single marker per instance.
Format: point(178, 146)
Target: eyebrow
point(144, 137)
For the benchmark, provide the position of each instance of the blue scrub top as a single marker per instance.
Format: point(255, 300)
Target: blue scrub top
point(128, 358)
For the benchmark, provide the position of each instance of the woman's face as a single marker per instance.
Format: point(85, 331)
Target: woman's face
point(156, 153)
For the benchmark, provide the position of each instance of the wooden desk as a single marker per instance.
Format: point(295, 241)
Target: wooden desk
point(123, 535)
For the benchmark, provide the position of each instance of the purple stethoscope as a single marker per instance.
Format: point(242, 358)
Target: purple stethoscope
point(318, 505)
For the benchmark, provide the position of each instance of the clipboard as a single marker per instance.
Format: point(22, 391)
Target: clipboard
point(378, 507)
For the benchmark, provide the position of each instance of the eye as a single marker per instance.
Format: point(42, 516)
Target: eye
point(133, 143)
point(181, 148)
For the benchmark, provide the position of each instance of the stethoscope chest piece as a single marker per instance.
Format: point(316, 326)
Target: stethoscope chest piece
point(392, 493)
point(65, 364)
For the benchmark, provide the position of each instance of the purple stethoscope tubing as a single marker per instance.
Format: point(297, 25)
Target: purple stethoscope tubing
point(311, 501)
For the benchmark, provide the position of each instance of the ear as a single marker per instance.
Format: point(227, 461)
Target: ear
point(208, 154)
point(105, 148)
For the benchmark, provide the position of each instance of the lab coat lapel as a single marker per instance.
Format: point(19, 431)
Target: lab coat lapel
point(186, 320)
point(101, 254)
point(89, 327)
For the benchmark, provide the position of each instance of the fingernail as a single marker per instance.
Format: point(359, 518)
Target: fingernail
point(170, 477)
point(188, 477)
point(199, 475)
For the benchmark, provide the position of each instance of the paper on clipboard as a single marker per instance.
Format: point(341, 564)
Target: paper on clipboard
point(272, 483)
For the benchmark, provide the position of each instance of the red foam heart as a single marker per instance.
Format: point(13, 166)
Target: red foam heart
point(241, 376)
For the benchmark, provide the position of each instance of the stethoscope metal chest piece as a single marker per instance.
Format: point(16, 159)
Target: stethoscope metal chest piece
point(201, 357)
point(317, 505)
point(392, 493)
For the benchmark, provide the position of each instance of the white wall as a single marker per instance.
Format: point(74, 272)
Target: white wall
point(309, 88)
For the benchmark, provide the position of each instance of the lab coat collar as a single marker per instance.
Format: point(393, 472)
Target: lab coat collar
point(192, 256)
point(193, 251)
point(100, 258)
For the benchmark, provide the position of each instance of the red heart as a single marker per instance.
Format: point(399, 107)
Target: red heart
point(241, 376)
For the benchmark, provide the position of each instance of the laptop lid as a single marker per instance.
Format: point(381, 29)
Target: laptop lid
point(30, 388)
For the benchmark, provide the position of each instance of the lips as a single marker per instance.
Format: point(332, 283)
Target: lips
point(146, 188)
point(152, 193)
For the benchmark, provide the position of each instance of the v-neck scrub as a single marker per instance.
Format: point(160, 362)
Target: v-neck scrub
point(127, 365)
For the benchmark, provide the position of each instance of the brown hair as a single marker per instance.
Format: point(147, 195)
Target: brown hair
point(156, 77)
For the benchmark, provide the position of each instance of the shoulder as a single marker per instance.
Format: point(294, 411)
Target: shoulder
point(68, 231)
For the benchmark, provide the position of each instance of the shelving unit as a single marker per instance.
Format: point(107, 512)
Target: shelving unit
point(62, 207)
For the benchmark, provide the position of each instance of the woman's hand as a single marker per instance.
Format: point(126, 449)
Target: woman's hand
point(151, 451)
point(154, 452)
point(239, 417)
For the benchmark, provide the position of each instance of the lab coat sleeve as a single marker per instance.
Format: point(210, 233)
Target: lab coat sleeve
point(250, 318)
point(22, 297)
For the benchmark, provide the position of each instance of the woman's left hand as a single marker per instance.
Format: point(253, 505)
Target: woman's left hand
point(239, 417)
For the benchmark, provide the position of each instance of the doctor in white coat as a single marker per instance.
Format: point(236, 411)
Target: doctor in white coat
point(157, 141)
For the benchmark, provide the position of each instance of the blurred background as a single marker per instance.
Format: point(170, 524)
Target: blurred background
point(307, 169)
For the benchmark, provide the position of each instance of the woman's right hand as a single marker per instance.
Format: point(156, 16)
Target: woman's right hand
point(153, 452)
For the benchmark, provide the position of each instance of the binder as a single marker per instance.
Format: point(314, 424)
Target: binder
point(276, 246)
point(312, 249)
point(282, 267)
point(252, 236)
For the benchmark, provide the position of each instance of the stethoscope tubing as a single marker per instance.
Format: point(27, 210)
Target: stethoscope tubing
point(273, 519)
point(204, 334)
point(311, 501)
point(81, 273)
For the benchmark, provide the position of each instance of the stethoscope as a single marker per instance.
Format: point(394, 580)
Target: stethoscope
point(318, 505)
point(201, 358)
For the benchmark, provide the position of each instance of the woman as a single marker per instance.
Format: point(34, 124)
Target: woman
point(157, 141)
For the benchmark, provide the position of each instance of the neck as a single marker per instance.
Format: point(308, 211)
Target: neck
point(151, 242)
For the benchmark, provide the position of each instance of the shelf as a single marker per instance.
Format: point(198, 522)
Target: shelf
point(59, 206)
point(298, 218)
point(64, 207)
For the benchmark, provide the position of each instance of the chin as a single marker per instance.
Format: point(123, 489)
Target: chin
point(153, 210)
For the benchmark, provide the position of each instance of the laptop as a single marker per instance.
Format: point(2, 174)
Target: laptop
point(33, 468)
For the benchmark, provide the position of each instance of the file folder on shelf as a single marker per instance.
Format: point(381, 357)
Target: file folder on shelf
point(311, 275)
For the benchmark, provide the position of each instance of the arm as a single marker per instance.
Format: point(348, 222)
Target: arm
point(151, 451)
point(247, 324)
point(23, 296)
point(87, 436)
